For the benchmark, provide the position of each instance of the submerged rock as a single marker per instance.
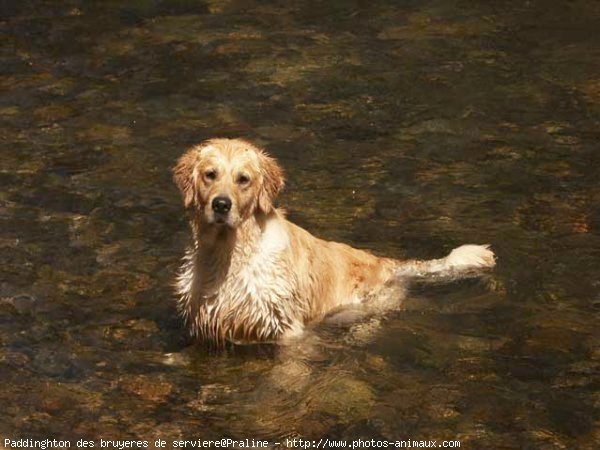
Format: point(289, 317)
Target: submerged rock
point(349, 399)
point(148, 387)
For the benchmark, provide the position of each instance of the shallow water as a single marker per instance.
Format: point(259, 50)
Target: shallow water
point(405, 127)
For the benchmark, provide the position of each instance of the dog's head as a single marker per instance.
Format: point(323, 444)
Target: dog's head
point(226, 181)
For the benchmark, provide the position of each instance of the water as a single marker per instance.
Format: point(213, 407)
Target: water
point(405, 127)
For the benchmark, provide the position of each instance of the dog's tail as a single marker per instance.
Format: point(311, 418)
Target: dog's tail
point(464, 261)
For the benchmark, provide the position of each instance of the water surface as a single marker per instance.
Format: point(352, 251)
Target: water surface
point(405, 127)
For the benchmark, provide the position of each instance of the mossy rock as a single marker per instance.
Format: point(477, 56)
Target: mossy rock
point(346, 398)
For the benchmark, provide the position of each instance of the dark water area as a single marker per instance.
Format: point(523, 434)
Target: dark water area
point(405, 127)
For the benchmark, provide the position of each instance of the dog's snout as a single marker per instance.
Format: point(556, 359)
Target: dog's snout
point(221, 204)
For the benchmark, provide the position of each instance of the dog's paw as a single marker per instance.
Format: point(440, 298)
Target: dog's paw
point(471, 257)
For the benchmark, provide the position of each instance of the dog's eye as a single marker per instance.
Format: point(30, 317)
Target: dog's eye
point(210, 174)
point(243, 179)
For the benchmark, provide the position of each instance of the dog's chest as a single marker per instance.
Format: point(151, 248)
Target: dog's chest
point(254, 297)
point(263, 278)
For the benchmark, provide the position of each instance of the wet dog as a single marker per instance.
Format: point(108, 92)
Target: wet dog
point(251, 275)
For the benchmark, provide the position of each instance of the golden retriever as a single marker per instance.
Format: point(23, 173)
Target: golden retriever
point(251, 275)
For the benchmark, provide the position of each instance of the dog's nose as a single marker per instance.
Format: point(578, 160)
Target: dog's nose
point(221, 204)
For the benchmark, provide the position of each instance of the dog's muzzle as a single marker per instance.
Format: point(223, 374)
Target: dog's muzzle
point(221, 205)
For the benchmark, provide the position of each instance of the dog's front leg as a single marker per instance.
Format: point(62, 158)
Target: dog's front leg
point(462, 261)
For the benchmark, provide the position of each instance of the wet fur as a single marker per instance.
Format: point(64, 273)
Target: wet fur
point(255, 276)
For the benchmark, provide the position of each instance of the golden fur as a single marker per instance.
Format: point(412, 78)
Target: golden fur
point(251, 275)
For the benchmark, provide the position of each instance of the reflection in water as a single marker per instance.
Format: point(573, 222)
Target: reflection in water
point(405, 127)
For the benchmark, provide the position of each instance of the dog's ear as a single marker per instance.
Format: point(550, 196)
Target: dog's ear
point(273, 182)
point(185, 177)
